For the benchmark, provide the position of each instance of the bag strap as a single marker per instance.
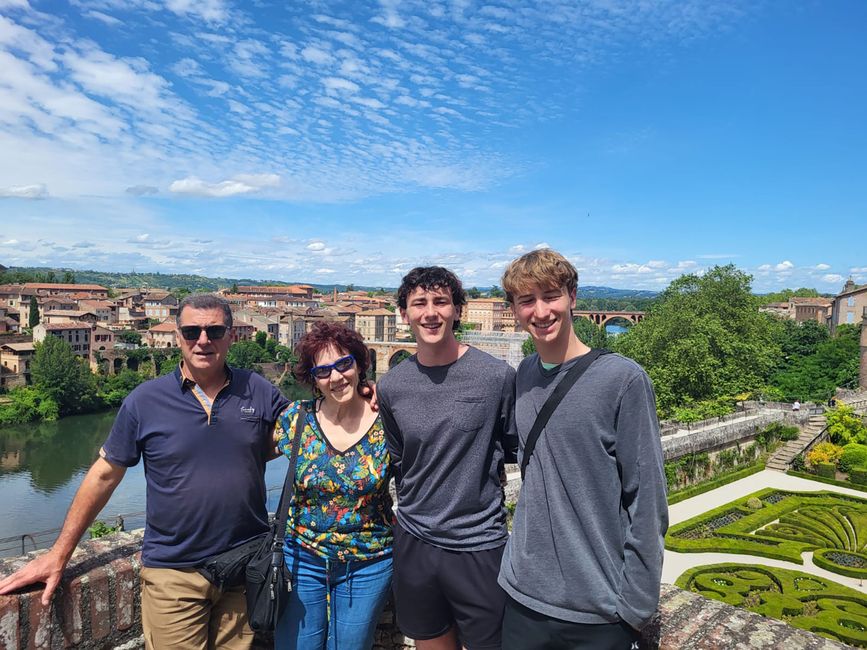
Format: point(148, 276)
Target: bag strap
point(554, 400)
point(282, 514)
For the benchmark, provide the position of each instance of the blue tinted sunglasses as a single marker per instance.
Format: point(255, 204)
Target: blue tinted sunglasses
point(341, 365)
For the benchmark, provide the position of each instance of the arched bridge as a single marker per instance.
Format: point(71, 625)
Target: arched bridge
point(602, 317)
point(384, 355)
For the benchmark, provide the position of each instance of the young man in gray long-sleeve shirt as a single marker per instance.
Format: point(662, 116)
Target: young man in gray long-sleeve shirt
point(583, 565)
point(448, 414)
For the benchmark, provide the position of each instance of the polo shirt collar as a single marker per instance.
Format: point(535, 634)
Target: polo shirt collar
point(186, 383)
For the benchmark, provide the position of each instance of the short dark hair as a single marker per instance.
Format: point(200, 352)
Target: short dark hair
point(206, 301)
point(432, 277)
point(323, 335)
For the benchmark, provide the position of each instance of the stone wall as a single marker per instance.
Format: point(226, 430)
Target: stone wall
point(98, 608)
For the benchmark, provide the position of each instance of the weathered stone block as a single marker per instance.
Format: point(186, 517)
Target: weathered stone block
point(71, 623)
point(100, 602)
point(10, 621)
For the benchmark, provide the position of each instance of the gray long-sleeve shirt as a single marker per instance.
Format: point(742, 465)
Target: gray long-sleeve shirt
point(587, 537)
point(449, 429)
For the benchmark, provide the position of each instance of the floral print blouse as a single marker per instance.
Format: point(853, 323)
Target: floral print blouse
point(341, 509)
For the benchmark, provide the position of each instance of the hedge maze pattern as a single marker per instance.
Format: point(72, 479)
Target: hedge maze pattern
point(783, 525)
point(802, 600)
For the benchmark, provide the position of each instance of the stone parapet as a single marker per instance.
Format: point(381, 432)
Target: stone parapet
point(99, 608)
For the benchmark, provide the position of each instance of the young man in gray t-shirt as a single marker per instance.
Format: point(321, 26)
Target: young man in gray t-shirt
point(583, 564)
point(448, 414)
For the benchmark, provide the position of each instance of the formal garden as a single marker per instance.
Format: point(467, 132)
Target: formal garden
point(782, 525)
point(800, 599)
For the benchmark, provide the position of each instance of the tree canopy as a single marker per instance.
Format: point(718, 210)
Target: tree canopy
point(62, 376)
point(704, 339)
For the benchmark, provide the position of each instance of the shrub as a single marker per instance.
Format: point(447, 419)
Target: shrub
point(858, 475)
point(798, 463)
point(845, 426)
point(824, 452)
point(854, 455)
point(826, 470)
point(789, 433)
point(754, 504)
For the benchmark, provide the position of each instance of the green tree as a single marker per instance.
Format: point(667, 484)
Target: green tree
point(246, 354)
point(704, 339)
point(800, 339)
point(234, 288)
point(496, 292)
point(129, 336)
point(261, 338)
point(473, 293)
point(68, 277)
point(33, 318)
point(590, 333)
point(62, 376)
point(816, 376)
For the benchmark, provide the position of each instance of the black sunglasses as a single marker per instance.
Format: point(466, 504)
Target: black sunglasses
point(341, 365)
point(193, 332)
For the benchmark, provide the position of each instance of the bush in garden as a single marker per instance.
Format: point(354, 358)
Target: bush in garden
point(854, 455)
point(824, 452)
point(827, 470)
point(845, 426)
point(858, 475)
point(754, 503)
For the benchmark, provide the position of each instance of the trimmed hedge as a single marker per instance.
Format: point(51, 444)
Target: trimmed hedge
point(821, 559)
point(790, 522)
point(826, 470)
point(854, 455)
point(829, 481)
point(858, 475)
point(713, 484)
point(800, 599)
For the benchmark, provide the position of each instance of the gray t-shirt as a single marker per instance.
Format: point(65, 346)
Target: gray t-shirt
point(449, 430)
point(587, 537)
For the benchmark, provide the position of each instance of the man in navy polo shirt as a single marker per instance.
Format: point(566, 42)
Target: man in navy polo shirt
point(204, 432)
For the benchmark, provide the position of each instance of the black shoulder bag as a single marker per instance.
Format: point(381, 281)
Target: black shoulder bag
point(269, 580)
point(553, 402)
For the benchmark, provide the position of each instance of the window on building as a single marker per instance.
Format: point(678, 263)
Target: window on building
point(850, 301)
point(850, 317)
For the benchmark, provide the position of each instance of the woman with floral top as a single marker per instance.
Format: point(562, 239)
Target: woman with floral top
point(338, 535)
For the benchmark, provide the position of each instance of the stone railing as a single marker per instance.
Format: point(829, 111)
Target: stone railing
point(98, 607)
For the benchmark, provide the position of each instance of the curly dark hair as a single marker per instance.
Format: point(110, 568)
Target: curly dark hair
point(321, 336)
point(432, 277)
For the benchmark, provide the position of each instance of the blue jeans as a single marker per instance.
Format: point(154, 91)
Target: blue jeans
point(358, 590)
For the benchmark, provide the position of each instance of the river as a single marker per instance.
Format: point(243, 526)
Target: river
point(43, 463)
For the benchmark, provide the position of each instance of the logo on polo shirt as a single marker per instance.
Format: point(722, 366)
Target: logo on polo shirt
point(248, 410)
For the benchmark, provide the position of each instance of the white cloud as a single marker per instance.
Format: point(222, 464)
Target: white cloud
point(241, 184)
point(24, 192)
point(785, 265)
point(316, 246)
point(822, 267)
point(832, 278)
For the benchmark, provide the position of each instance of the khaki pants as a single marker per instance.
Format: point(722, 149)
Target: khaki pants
point(181, 609)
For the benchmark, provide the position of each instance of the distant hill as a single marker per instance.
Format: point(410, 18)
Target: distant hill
point(170, 281)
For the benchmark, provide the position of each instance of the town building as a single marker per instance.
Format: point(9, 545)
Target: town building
point(76, 334)
point(16, 357)
point(376, 324)
point(160, 305)
point(489, 315)
point(849, 305)
point(162, 335)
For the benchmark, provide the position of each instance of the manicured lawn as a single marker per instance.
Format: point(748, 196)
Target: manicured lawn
point(802, 600)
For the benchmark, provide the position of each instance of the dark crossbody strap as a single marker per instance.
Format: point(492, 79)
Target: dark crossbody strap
point(282, 513)
point(554, 400)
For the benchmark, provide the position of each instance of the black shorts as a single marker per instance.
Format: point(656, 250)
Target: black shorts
point(435, 588)
point(526, 629)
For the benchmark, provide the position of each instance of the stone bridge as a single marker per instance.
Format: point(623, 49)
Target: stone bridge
point(385, 355)
point(602, 317)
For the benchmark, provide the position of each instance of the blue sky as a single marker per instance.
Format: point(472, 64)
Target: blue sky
point(349, 141)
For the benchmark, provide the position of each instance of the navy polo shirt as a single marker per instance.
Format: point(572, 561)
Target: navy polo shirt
point(205, 472)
